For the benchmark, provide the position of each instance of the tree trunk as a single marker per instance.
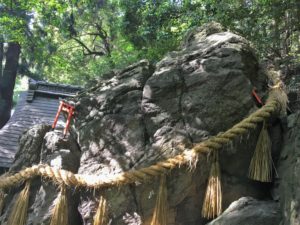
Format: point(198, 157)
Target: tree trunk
point(1, 56)
point(7, 80)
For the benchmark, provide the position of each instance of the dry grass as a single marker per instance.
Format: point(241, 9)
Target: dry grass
point(212, 205)
point(161, 207)
point(60, 213)
point(18, 215)
point(261, 163)
point(100, 216)
point(2, 198)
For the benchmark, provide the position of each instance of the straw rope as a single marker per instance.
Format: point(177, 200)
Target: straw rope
point(59, 176)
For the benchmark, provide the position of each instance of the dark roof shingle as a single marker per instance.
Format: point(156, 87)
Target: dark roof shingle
point(37, 105)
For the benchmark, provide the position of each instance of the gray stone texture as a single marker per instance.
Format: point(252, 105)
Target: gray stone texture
point(37, 145)
point(133, 118)
point(249, 211)
point(136, 117)
point(287, 185)
point(30, 144)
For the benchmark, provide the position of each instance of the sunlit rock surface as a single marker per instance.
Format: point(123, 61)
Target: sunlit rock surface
point(136, 117)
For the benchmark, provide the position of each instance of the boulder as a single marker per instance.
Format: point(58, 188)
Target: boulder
point(29, 151)
point(142, 115)
point(249, 211)
point(136, 117)
point(52, 149)
point(287, 184)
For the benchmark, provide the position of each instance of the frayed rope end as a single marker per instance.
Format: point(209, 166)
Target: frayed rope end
point(212, 205)
point(101, 214)
point(60, 212)
point(161, 207)
point(18, 215)
point(261, 163)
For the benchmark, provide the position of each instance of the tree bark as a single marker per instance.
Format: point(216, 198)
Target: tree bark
point(1, 56)
point(8, 79)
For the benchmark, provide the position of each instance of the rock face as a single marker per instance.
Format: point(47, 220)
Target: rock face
point(288, 183)
point(248, 211)
point(49, 148)
point(136, 117)
point(30, 147)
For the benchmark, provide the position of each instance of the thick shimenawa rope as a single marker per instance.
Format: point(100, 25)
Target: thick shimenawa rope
point(59, 176)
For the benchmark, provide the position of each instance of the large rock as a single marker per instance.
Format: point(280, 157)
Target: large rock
point(287, 187)
point(249, 211)
point(29, 151)
point(138, 117)
point(52, 149)
point(143, 114)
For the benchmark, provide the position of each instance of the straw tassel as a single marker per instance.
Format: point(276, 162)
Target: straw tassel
point(161, 206)
point(60, 213)
point(212, 205)
point(261, 163)
point(18, 215)
point(2, 198)
point(101, 214)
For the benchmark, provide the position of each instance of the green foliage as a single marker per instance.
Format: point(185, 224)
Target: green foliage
point(273, 26)
point(74, 41)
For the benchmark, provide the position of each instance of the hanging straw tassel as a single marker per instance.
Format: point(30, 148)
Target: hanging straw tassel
point(60, 213)
point(261, 163)
point(2, 198)
point(100, 216)
point(161, 206)
point(212, 205)
point(18, 215)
